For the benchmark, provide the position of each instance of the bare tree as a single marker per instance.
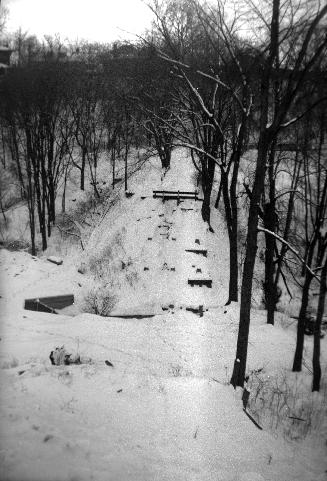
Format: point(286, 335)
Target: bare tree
point(301, 59)
point(315, 206)
point(154, 99)
point(36, 116)
point(15, 141)
point(317, 328)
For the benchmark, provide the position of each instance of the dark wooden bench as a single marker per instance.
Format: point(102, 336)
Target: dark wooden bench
point(176, 195)
point(200, 282)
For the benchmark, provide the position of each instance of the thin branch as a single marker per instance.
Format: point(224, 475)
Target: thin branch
point(283, 241)
point(203, 74)
point(200, 151)
point(299, 117)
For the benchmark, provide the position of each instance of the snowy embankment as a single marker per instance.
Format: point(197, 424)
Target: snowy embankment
point(165, 410)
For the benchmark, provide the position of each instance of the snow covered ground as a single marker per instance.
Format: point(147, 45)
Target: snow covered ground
point(165, 410)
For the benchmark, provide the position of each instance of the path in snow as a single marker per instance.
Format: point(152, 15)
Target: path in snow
point(159, 238)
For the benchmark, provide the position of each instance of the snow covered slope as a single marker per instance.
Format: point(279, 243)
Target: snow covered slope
point(165, 409)
point(153, 238)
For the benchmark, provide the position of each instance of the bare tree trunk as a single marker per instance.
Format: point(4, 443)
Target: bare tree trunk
point(113, 159)
point(233, 271)
point(218, 196)
point(207, 181)
point(41, 214)
point(205, 209)
point(93, 179)
point(33, 160)
point(270, 290)
point(3, 211)
point(289, 216)
point(265, 139)
point(3, 157)
point(82, 184)
point(31, 217)
point(270, 223)
point(32, 231)
point(317, 330)
point(233, 276)
point(49, 181)
point(316, 237)
point(52, 200)
point(125, 162)
point(162, 148)
point(125, 171)
point(297, 363)
point(238, 375)
point(31, 203)
point(232, 235)
point(63, 199)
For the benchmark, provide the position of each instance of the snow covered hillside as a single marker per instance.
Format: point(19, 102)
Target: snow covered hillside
point(161, 408)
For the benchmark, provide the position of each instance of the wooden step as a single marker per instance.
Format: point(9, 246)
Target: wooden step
point(196, 310)
point(200, 282)
point(202, 252)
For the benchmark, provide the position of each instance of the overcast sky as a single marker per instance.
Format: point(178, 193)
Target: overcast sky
point(93, 20)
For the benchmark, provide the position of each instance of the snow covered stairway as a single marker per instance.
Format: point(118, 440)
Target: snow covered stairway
point(199, 278)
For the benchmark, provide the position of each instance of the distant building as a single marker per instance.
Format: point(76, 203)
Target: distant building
point(5, 53)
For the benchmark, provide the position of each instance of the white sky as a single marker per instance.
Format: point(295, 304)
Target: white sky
point(93, 20)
